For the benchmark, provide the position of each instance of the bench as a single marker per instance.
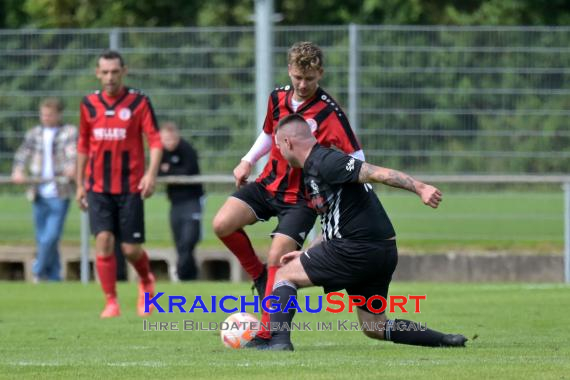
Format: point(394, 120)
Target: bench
point(212, 265)
point(16, 264)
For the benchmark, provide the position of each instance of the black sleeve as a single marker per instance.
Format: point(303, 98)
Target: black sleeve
point(338, 168)
point(164, 160)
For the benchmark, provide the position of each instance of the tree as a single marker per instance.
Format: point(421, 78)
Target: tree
point(136, 13)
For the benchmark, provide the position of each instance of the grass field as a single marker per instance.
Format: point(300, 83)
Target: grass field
point(511, 221)
point(53, 331)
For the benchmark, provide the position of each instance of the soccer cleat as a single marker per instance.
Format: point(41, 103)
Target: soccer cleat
point(145, 288)
point(256, 342)
point(277, 347)
point(260, 283)
point(453, 340)
point(111, 309)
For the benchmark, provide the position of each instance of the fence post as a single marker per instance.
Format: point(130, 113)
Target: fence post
point(115, 39)
point(566, 187)
point(263, 64)
point(353, 64)
point(84, 247)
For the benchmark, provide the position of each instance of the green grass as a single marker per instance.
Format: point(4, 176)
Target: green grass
point(53, 331)
point(510, 221)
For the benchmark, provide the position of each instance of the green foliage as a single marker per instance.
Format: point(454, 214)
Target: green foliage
point(134, 13)
point(107, 13)
point(468, 92)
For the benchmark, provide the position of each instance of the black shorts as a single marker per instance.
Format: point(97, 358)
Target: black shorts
point(294, 220)
point(121, 214)
point(362, 268)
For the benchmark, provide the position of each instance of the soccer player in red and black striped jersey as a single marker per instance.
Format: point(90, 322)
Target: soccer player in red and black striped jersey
point(111, 177)
point(279, 190)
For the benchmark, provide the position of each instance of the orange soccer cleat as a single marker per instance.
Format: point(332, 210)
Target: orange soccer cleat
point(111, 309)
point(145, 288)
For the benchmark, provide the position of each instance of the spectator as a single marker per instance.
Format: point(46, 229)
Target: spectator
point(180, 158)
point(49, 151)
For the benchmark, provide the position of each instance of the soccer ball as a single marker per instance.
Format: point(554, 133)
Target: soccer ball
point(238, 329)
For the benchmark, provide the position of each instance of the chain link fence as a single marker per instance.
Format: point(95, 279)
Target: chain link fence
point(425, 99)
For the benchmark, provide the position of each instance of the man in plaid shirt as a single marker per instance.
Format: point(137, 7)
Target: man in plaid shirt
point(49, 150)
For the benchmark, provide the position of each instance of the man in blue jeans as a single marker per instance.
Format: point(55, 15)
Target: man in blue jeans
point(49, 150)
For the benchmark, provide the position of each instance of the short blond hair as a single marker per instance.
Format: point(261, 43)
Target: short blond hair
point(306, 56)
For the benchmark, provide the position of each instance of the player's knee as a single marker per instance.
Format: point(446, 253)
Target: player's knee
point(105, 242)
point(221, 226)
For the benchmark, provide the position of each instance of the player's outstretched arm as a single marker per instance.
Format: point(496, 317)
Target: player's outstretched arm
point(430, 195)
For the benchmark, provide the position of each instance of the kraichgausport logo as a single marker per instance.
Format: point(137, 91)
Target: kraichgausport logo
point(333, 302)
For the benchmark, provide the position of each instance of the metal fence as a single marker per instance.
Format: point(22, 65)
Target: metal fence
point(424, 99)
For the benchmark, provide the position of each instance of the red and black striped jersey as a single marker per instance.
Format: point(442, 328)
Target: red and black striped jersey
point(328, 123)
point(110, 134)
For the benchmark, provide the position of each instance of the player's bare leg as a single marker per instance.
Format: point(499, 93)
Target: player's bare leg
point(233, 215)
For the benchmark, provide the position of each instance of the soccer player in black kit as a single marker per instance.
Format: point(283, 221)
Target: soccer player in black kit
point(358, 252)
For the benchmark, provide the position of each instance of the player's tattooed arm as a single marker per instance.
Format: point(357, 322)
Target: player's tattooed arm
point(370, 173)
point(430, 195)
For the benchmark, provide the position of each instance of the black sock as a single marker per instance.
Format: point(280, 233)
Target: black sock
point(408, 332)
point(280, 321)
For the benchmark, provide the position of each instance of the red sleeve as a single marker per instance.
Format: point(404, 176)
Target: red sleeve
point(150, 125)
point(84, 130)
point(268, 123)
point(338, 132)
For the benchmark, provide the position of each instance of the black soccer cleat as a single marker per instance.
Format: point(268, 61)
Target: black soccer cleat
point(277, 347)
point(257, 342)
point(260, 284)
point(453, 340)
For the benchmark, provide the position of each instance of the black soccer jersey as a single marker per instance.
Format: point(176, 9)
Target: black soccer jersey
point(348, 209)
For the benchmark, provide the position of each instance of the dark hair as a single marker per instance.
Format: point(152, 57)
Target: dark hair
point(294, 117)
point(111, 54)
